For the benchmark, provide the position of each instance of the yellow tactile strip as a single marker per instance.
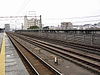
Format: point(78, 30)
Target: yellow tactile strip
point(2, 58)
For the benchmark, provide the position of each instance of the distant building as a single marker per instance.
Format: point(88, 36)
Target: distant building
point(77, 27)
point(30, 22)
point(98, 25)
point(7, 27)
point(66, 25)
point(87, 26)
point(1, 30)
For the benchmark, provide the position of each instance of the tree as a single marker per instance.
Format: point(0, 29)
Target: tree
point(33, 27)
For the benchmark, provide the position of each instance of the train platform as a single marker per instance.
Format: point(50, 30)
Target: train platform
point(1, 36)
point(10, 62)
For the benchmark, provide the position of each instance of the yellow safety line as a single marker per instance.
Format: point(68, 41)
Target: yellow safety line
point(2, 57)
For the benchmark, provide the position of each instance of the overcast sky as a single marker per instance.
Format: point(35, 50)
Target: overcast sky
point(52, 11)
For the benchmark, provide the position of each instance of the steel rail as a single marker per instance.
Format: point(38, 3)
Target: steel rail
point(13, 41)
point(91, 49)
point(50, 67)
point(61, 47)
point(89, 63)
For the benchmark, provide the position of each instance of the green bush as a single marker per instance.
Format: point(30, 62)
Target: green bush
point(33, 27)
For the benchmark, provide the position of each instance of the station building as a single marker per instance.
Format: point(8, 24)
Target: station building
point(7, 27)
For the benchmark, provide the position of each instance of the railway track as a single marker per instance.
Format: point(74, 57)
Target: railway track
point(89, 62)
point(83, 47)
point(37, 65)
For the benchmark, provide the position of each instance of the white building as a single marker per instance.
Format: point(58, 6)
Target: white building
point(7, 27)
point(30, 22)
point(66, 25)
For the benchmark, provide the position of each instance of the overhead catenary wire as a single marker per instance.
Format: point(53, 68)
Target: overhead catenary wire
point(16, 16)
point(73, 21)
point(86, 21)
point(83, 17)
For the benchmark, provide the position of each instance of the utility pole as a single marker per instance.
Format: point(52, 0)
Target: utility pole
point(22, 26)
point(40, 22)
